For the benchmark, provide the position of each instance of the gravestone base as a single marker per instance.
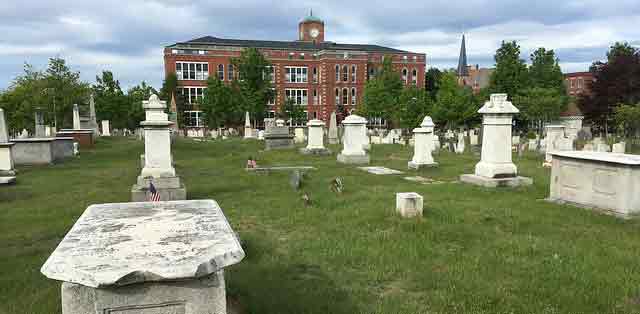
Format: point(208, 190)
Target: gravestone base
point(333, 141)
point(195, 296)
point(169, 188)
point(353, 159)
point(315, 151)
point(7, 180)
point(495, 182)
point(417, 166)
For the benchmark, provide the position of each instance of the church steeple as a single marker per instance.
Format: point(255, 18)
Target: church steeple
point(462, 60)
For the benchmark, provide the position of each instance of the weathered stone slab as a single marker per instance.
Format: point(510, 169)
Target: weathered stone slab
point(149, 241)
point(7, 180)
point(495, 182)
point(409, 204)
point(380, 170)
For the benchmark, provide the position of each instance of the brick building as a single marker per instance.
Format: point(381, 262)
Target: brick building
point(316, 73)
point(578, 83)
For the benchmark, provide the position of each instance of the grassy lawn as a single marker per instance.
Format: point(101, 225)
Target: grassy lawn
point(475, 250)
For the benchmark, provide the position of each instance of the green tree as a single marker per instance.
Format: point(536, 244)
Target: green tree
point(541, 104)
point(414, 104)
point(455, 106)
point(432, 77)
point(510, 75)
point(67, 89)
point(217, 103)
point(292, 111)
point(545, 71)
point(135, 96)
point(382, 92)
point(254, 85)
point(111, 102)
point(628, 119)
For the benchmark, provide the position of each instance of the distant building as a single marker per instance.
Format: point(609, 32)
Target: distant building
point(578, 83)
point(472, 76)
point(317, 74)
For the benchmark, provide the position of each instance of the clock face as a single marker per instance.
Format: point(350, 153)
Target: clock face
point(314, 32)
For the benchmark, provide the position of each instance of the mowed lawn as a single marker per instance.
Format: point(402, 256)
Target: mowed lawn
point(476, 250)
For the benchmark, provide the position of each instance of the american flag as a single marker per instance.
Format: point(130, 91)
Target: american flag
point(154, 196)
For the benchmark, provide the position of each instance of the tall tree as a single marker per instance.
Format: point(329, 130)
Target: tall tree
point(510, 75)
point(135, 96)
point(541, 104)
point(414, 104)
point(455, 105)
point(293, 112)
point(381, 93)
point(255, 84)
point(432, 77)
point(111, 102)
point(545, 71)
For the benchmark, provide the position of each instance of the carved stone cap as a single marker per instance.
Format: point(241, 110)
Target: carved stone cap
point(123, 243)
point(427, 122)
point(354, 119)
point(315, 122)
point(154, 103)
point(497, 104)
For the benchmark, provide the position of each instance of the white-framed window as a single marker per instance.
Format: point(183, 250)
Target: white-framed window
point(414, 77)
point(337, 96)
point(353, 74)
point(299, 96)
point(315, 97)
point(272, 102)
point(191, 93)
point(353, 96)
point(345, 73)
point(315, 75)
point(573, 83)
point(405, 75)
point(345, 96)
point(192, 70)
point(296, 74)
point(221, 72)
point(193, 118)
point(267, 75)
point(337, 73)
point(231, 72)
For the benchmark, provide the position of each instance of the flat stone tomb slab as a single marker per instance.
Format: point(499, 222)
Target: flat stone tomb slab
point(380, 170)
point(125, 243)
point(421, 180)
point(281, 168)
point(603, 181)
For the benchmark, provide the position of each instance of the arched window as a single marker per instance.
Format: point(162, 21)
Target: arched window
point(230, 74)
point(414, 77)
point(221, 72)
point(345, 73)
point(345, 96)
point(353, 73)
point(405, 74)
point(353, 96)
point(337, 96)
point(315, 75)
point(337, 73)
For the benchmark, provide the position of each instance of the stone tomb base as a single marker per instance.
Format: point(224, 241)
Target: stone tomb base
point(413, 165)
point(169, 188)
point(195, 296)
point(495, 182)
point(7, 180)
point(353, 159)
point(278, 138)
point(315, 151)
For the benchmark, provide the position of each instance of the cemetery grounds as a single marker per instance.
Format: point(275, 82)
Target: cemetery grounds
point(475, 250)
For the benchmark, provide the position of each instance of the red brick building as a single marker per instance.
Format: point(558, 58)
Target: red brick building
point(316, 73)
point(578, 83)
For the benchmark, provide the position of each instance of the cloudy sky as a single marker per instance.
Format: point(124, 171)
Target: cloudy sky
point(127, 37)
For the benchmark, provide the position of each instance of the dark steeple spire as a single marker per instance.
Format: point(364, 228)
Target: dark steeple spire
point(462, 60)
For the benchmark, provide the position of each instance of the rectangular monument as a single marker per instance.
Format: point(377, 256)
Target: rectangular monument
point(146, 258)
point(278, 137)
point(600, 180)
point(42, 151)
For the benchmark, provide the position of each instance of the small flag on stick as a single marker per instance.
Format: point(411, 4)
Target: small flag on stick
point(154, 196)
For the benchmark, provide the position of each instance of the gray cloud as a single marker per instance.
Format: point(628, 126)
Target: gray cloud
point(127, 37)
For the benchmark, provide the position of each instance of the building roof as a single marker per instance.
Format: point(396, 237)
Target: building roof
point(573, 74)
point(298, 45)
point(312, 18)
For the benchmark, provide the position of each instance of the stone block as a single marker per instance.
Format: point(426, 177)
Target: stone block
point(353, 159)
point(315, 151)
point(409, 204)
point(495, 182)
point(7, 180)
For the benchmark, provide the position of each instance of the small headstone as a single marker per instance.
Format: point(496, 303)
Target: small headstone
point(409, 205)
point(295, 179)
point(380, 170)
point(76, 148)
point(619, 148)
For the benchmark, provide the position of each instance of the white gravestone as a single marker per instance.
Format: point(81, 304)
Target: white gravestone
point(158, 168)
point(355, 131)
point(93, 123)
point(7, 172)
point(146, 258)
point(603, 147)
point(619, 148)
point(333, 129)
point(496, 167)
point(602, 180)
point(39, 127)
point(315, 139)
point(423, 145)
point(248, 131)
point(555, 134)
point(298, 135)
point(460, 145)
point(409, 204)
point(76, 117)
point(105, 128)
point(261, 135)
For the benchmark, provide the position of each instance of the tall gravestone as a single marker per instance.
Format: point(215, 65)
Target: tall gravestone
point(496, 167)
point(423, 145)
point(355, 133)
point(158, 169)
point(555, 135)
point(248, 131)
point(105, 128)
point(146, 258)
point(7, 172)
point(39, 124)
point(315, 139)
point(76, 117)
point(93, 123)
point(333, 129)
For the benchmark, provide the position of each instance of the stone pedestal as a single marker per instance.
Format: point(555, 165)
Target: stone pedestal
point(315, 139)
point(105, 128)
point(84, 137)
point(496, 167)
point(423, 145)
point(278, 137)
point(298, 135)
point(600, 180)
point(555, 134)
point(409, 204)
point(355, 133)
point(158, 168)
point(162, 257)
point(333, 129)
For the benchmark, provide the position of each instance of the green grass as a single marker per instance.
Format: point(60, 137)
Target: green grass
point(475, 250)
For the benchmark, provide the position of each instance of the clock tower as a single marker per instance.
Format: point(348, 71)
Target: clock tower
point(311, 29)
